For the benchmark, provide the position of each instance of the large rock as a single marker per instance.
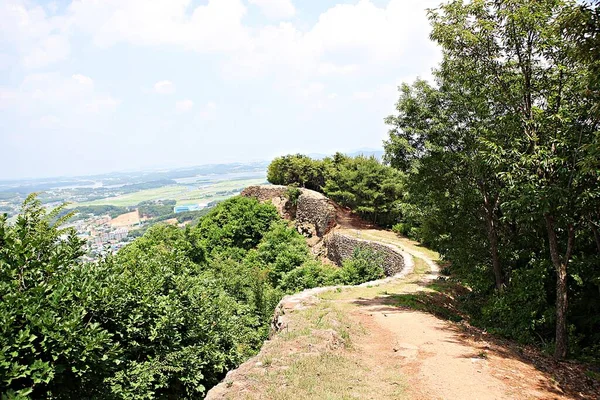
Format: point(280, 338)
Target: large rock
point(276, 194)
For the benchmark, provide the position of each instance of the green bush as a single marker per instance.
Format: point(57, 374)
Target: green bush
point(51, 343)
point(166, 317)
point(293, 193)
point(310, 275)
point(365, 265)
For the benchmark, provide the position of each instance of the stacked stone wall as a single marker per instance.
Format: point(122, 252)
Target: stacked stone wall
point(265, 192)
point(341, 247)
point(315, 209)
point(276, 194)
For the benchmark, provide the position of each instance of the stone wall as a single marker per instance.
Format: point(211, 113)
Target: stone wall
point(265, 192)
point(314, 213)
point(316, 210)
point(341, 247)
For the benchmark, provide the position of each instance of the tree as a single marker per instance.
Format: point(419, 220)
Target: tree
point(510, 127)
point(371, 189)
point(52, 346)
point(298, 170)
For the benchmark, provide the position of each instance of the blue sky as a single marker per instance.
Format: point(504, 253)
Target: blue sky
point(91, 86)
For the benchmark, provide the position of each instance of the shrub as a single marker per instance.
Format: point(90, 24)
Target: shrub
point(365, 265)
point(51, 344)
point(310, 275)
point(293, 193)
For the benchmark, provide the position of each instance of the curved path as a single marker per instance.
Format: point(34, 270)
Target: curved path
point(360, 343)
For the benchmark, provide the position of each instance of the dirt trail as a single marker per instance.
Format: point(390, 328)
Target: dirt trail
point(375, 349)
point(436, 359)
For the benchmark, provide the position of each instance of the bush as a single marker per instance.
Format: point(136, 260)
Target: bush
point(293, 193)
point(310, 275)
point(365, 265)
point(237, 222)
point(166, 317)
point(52, 345)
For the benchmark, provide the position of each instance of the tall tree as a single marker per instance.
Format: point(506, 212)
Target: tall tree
point(511, 120)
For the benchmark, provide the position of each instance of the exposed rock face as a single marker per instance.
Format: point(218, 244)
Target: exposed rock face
point(276, 194)
point(265, 192)
point(314, 213)
point(340, 247)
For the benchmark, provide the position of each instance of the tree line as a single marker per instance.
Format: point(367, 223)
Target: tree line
point(369, 188)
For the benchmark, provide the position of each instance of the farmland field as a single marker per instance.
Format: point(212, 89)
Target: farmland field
point(183, 194)
point(123, 191)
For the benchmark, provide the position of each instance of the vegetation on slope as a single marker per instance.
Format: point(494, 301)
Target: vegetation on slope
point(498, 155)
point(166, 317)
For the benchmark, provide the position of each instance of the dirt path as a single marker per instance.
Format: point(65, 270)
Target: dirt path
point(360, 343)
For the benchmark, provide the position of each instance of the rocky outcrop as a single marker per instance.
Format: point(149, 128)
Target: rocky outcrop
point(313, 212)
point(276, 194)
point(341, 247)
point(265, 192)
point(316, 217)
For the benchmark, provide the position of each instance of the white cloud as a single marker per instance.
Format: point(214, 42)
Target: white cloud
point(47, 51)
point(164, 87)
point(46, 122)
point(276, 9)
point(101, 103)
point(348, 40)
point(209, 111)
point(37, 38)
point(213, 27)
point(43, 92)
point(184, 105)
point(334, 69)
point(83, 80)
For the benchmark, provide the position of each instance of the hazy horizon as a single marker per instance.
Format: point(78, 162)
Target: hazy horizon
point(90, 87)
point(158, 168)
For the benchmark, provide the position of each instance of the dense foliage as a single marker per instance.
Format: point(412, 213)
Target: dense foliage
point(371, 189)
point(165, 317)
point(501, 156)
point(156, 208)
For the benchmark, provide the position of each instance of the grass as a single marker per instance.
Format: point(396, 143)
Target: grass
point(438, 299)
point(302, 363)
point(181, 193)
point(391, 238)
point(592, 374)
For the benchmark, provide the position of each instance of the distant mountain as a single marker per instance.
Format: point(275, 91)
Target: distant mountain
point(378, 154)
point(366, 152)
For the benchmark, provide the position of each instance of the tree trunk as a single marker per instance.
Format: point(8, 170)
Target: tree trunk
point(560, 265)
point(596, 235)
point(489, 208)
point(493, 238)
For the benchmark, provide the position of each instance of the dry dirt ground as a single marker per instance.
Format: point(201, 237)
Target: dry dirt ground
point(128, 219)
point(369, 342)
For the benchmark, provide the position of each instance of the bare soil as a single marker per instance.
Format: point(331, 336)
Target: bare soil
point(128, 219)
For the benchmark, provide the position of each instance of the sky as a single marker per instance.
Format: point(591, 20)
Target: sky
point(93, 86)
